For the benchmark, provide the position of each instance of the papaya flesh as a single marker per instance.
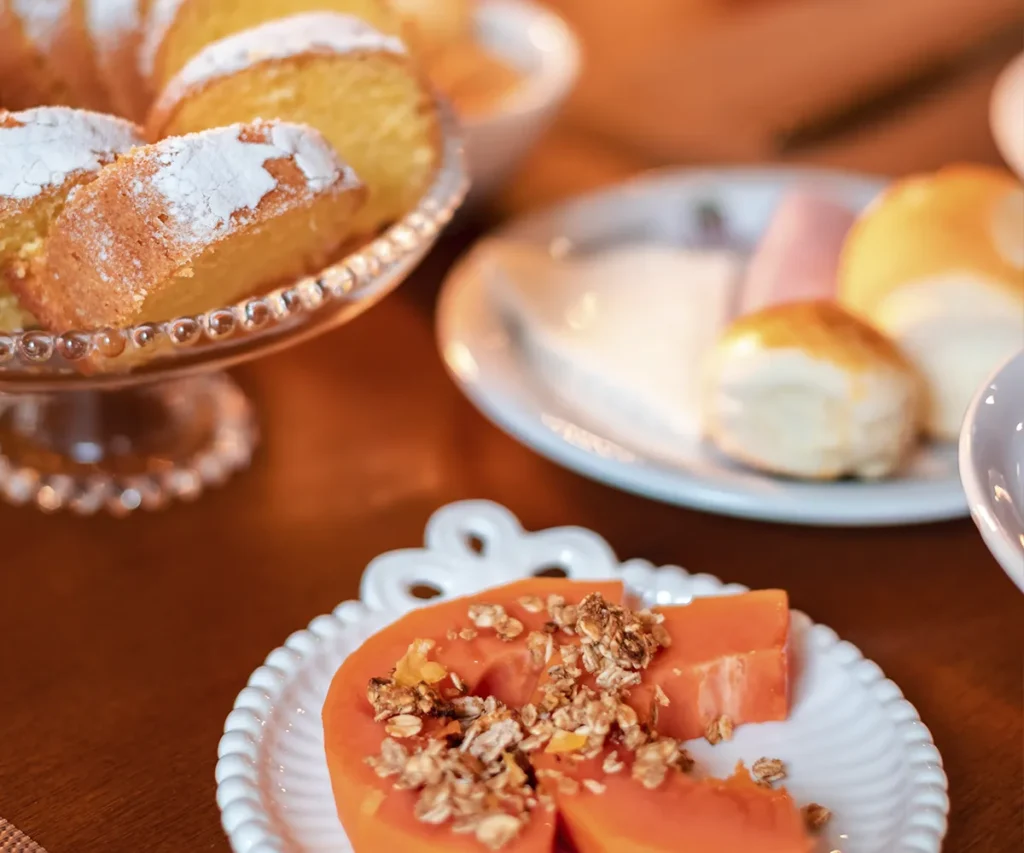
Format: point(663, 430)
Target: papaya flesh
point(728, 657)
point(734, 815)
point(375, 816)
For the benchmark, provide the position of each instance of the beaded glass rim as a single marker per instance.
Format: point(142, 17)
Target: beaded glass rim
point(361, 275)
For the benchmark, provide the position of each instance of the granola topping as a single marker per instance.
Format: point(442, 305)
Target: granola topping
point(815, 816)
point(404, 725)
point(468, 758)
point(719, 729)
point(494, 616)
point(767, 771)
point(532, 603)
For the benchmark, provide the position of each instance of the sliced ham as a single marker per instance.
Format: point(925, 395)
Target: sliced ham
point(798, 255)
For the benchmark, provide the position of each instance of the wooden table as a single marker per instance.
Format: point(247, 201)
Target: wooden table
point(125, 643)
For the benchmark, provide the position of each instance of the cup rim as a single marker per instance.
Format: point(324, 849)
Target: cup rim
point(552, 43)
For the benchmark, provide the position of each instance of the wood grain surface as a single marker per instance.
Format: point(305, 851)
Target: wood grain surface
point(124, 644)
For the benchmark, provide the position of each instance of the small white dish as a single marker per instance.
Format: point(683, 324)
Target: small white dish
point(541, 46)
point(1006, 114)
point(992, 465)
point(852, 743)
point(581, 420)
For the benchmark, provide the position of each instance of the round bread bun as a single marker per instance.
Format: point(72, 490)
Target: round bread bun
point(937, 263)
point(806, 390)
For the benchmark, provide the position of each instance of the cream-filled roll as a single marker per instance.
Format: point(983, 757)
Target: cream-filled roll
point(937, 264)
point(807, 390)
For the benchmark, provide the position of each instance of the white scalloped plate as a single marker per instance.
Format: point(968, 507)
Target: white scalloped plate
point(852, 742)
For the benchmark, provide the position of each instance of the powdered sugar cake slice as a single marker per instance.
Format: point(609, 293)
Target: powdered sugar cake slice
point(194, 222)
point(175, 30)
point(354, 83)
point(41, 149)
point(44, 154)
point(299, 35)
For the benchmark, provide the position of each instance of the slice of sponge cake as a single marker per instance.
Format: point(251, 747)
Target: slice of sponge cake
point(176, 30)
point(192, 223)
point(354, 84)
point(44, 154)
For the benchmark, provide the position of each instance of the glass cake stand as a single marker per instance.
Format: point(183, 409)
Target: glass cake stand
point(123, 419)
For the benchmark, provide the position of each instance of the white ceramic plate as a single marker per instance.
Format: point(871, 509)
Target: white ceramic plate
point(600, 439)
point(852, 743)
point(542, 47)
point(992, 465)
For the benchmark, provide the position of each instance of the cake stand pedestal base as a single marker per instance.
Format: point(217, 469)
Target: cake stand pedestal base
point(120, 450)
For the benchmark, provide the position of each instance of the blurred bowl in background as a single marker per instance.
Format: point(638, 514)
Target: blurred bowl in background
point(542, 48)
point(992, 465)
point(1006, 115)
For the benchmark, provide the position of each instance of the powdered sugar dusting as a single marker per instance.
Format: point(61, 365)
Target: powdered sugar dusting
point(207, 178)
point(109, 21)
point(161, 15)
point(49, 144)
point(314, 156)
point(41, 19)
point(314, 32)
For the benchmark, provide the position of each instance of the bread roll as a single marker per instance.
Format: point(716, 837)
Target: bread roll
point(937, 263)
point(806, 390)
point(45, 153)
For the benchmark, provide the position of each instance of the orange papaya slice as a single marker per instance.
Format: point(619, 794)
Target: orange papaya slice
point(417, 724)
point(734, 815)
point(376, 817)
point(728, 662)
